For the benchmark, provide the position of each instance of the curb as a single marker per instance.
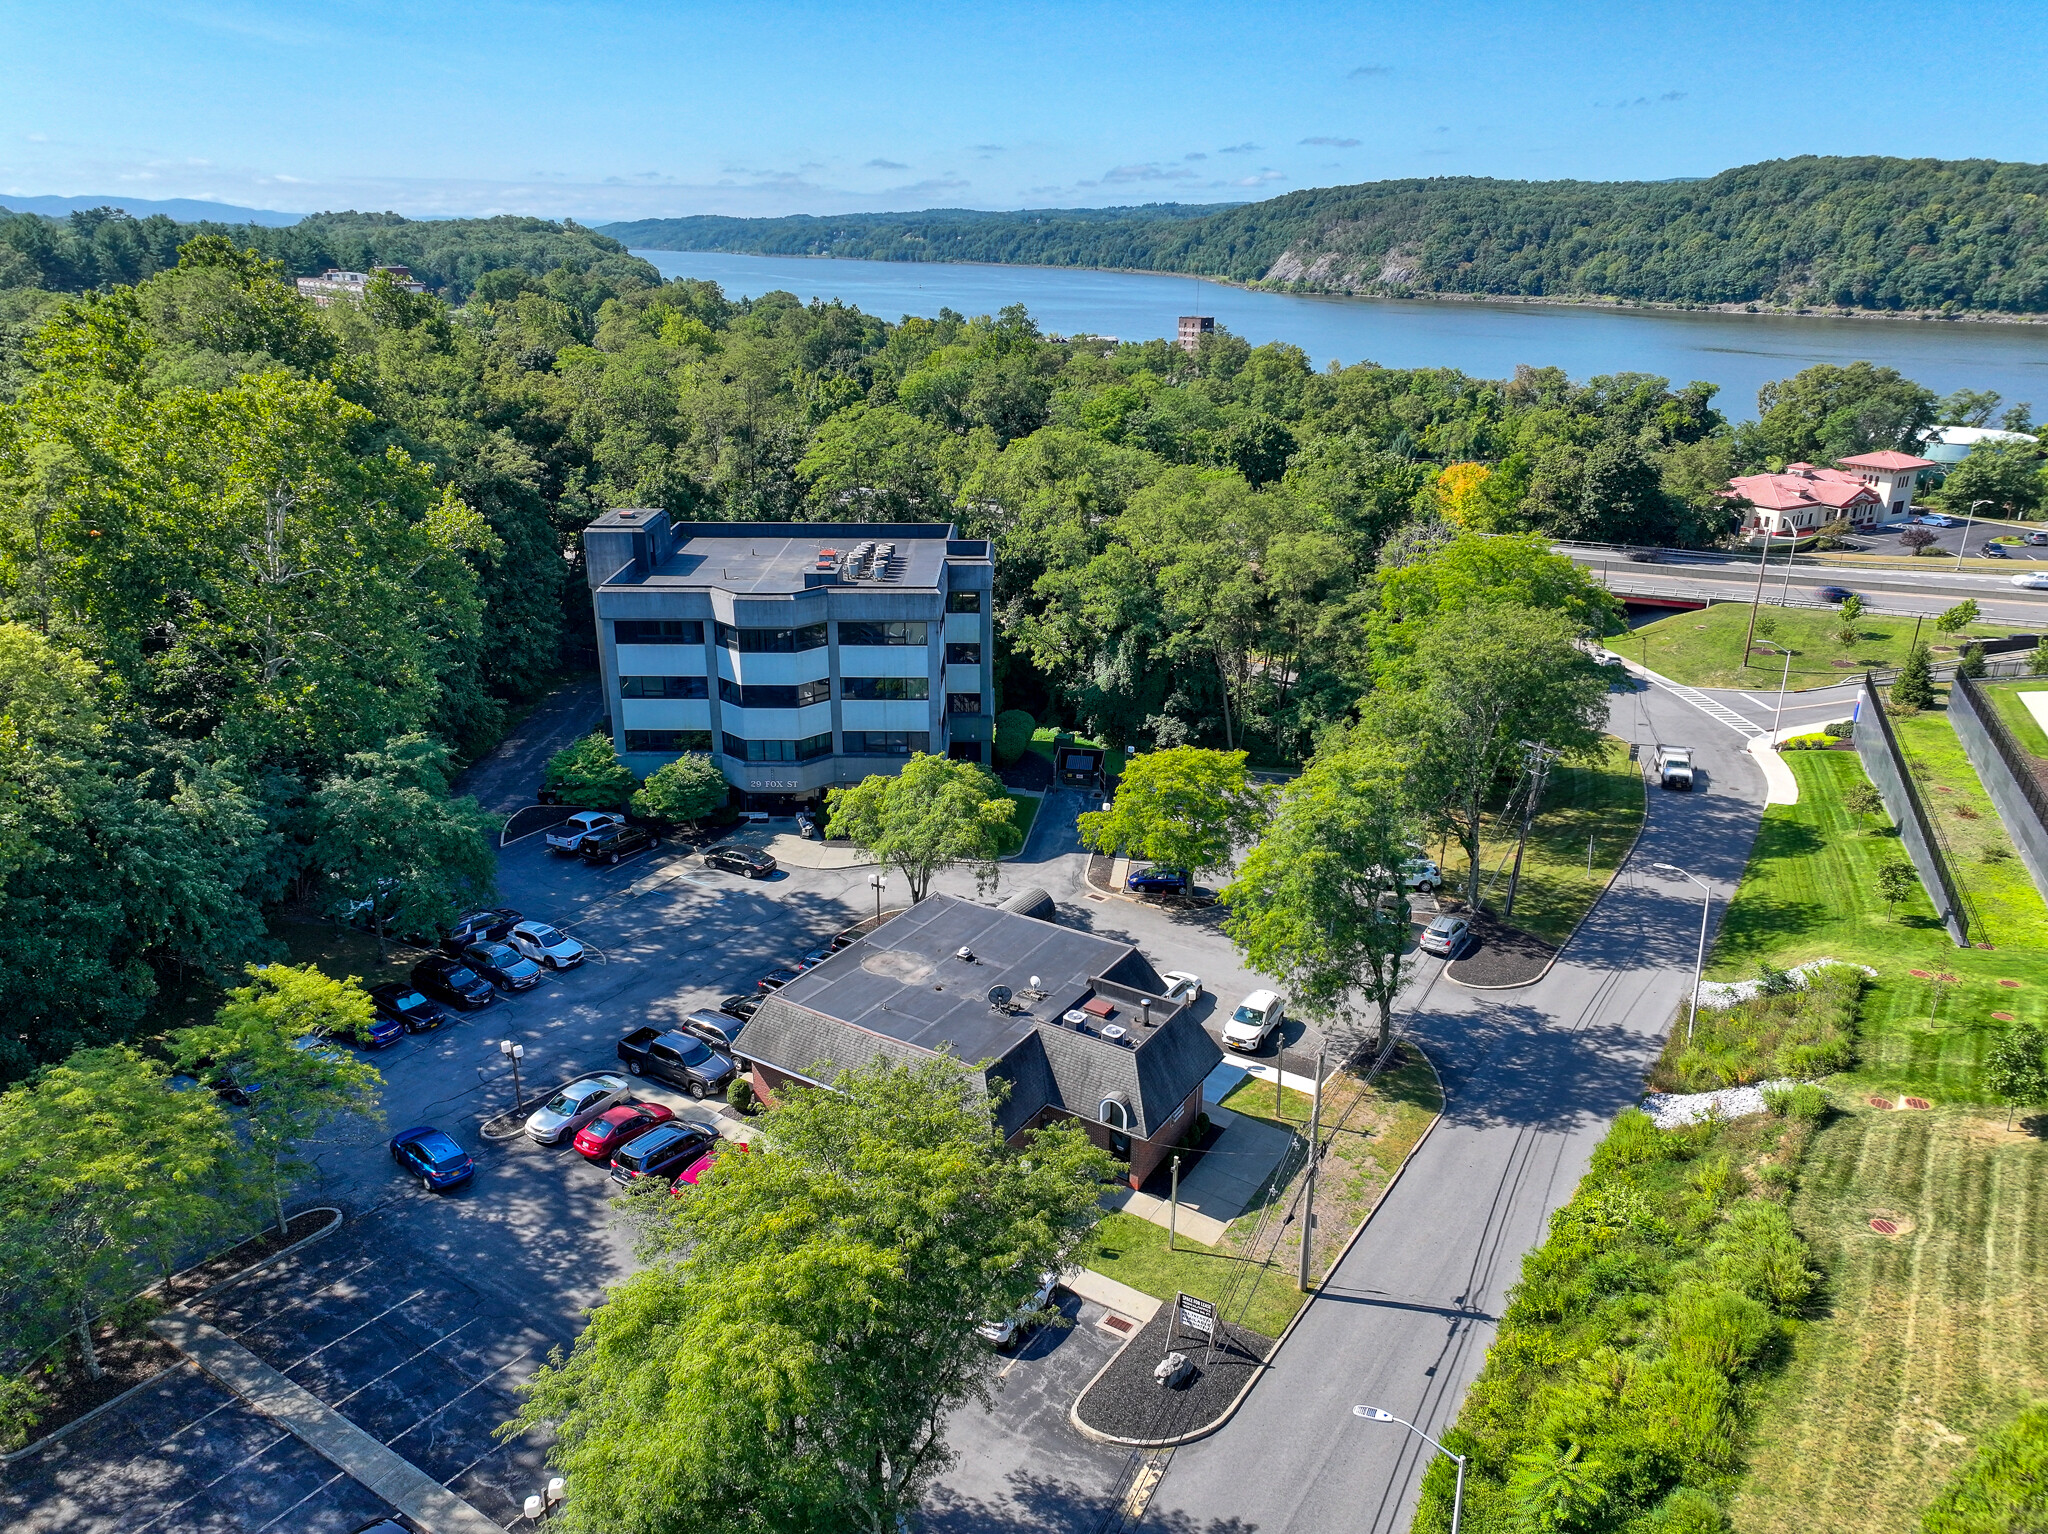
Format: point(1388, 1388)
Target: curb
point(1073, 1412)
point(1641, 826)
point(140, 1385)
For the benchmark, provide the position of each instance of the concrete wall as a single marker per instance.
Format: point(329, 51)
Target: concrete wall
point(1882, 760)
point(2015, 806)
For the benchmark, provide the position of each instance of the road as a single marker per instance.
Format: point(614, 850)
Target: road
point(1532, 1079)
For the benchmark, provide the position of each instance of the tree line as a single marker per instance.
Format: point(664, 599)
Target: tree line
point(1863, 232)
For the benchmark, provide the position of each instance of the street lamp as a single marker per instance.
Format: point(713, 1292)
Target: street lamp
point(1699, 964)
point(515, 1053)
point(1374, 1414)
point(541, 1505)
point(878, 883)
point(1964, 542)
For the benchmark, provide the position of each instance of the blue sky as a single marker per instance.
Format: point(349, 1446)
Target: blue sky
point(629, 109)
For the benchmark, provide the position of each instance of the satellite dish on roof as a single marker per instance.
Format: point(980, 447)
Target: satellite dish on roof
point(999, 995)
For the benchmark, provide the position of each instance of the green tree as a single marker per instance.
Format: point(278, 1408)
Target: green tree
point(688, 788)
point(1181, 808)
point(818, 1302)
point(2015, 1070)
point(1896, 884)
point(1851, 608)
point(1827, 412)
point(264, 1033)
point(1554, 1489)
point(1319, 902)
point(1014, 729)
point(1472, 573)
point(882, 464)
point(1971, 663)
point(2037, 661)
point(1913, 688)
point(931, 815)
point(1958, 617)
point(587, 774)
point(100, 1162)
point(2007, 474)
point(394, 847)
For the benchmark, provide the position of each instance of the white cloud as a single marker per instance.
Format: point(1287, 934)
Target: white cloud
point(883, 165)
point(1240, 149)
point(1333, 143)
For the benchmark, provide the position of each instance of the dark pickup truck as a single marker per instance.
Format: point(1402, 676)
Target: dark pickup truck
point(677, 1059)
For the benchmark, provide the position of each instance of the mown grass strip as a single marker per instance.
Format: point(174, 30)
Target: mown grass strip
point(1704, 649)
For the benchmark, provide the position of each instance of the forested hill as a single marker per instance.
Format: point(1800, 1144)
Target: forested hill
point(1865, 233)
point(99, 248)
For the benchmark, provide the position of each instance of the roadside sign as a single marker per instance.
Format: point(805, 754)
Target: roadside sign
point(1194, 1315)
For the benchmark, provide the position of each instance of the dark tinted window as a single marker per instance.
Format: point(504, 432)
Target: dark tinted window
point(887, 742)
point(900, 633)
point(658, 631)
point(663, 687)
point(963, 654)
point(807, 749)
point(771, 641)
point(963, 601)
point(774, 695)
point(668, 740)
point(963, 702)
point(885, 688)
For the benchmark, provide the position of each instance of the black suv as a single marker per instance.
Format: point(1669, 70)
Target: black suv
point(406, 1006)
point(615, 842)
point(480, 927)
point(452, 981)
point(751, 861)
point(661, 1152)
point(504, 967)
point(742, 1006)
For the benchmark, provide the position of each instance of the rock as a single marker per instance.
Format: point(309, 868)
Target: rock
point(1173, 1370)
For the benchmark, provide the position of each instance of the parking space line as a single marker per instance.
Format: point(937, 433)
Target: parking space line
point(237, 1465)
point(380, 1315)
point(409, 1358)
point(430, 1416)
point(308, 1497)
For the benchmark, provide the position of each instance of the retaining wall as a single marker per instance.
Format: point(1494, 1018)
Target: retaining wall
point(1879, 751)
point(2005, 766)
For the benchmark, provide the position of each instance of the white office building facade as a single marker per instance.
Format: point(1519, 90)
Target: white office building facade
point(801, 655)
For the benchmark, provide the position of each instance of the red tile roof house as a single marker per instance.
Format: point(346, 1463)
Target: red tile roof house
point(1866, 489)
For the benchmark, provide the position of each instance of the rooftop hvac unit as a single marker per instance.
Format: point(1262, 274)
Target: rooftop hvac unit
point(1114, 1032)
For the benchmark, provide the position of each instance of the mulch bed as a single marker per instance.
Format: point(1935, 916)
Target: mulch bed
point(129, 1357)
point(1497, 954)
point(1126, 1402)
point(1029, 771)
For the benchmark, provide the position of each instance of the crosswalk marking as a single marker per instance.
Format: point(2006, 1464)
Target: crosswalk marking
point(1720, 713)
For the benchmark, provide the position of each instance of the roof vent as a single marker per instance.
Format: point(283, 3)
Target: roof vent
point(965, 955)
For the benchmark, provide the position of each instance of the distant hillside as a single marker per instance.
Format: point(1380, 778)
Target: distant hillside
point(1866, 233)
point(91, 250)
point(188, 209)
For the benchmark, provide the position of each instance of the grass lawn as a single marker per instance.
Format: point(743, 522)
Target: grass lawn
point(2005, 697)
point(1133, 1251)
point(1924, 1342)
point(1603, 800)
point(1810, 891)
point(2001, 898)
point(1704, 649)
point(1027, 812)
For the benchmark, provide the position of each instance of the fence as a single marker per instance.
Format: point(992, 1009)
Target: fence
point(1886, 764)
point(2009, 772)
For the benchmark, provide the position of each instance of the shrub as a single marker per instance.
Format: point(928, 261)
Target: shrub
point(2005, 1487)
point(2037, 661)
point(1841, 729)
point(1809, 1102)
point(688, 788)
point(1772, 981)
point(1807, 743)
point(1914, 688)
point(588, 775)
point(1972, 663)
point(1777, 1101)
point(740, 1095)
point(22, 1405)
point(1014, 728)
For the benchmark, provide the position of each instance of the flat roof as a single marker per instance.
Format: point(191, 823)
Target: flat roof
point(906, 982)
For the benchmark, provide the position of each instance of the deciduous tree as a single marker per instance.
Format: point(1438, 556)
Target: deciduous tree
point(1181, 808)
point(587, 774)
point(688, 788)
point(931, 815)
point(2015, 1070)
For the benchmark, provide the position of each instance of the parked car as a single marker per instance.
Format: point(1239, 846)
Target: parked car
point(2031, 580)
point(1158, 881)
point(383, 1033)
point(1936, 519)
point(217, 1079)
point(750, 861)
point(480, 927)
point(662, 1151)
point(1834, 593)
point(718, 1029)
point(2036, 537)
point(404, 1005)
point(604, 1136)
point(544, 945)
point(813, 959)
point(847, 937)
point(678, 1059)
point(451, 980)
point(693, 1174)
point(774, 980)
point(1254, 1021)
point(568, 836)
point(1182, 986)
point(742, 1006)
point(503, 965)
point(431, 1156)
point(615, 842)
point(1021, 1322)
point(1422, 874)
point(574, 1106)
point(1990, 550)
point(1445, 936)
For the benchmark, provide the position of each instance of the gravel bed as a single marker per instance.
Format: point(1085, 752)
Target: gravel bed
point(1722, 994)
point(1125, 1401)
point(1499, 955)
point(1674, 1110)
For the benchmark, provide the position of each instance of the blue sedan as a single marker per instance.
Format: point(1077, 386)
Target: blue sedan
point(1935, 519)
point(1158, 881)
point(431, 1156)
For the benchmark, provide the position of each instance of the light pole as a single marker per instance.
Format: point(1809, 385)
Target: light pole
point(1964, 542)
point(1374, 1414)
point(1783, 682)
point(878, 883)
point(540, 1507)
point(515, 1053)
point(1699, 964)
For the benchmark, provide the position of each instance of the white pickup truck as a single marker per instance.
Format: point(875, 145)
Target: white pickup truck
point(568, 836)
point(1674, 767)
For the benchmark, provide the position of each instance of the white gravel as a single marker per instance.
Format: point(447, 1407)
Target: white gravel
point(1719, 995)
point(1674, 1110)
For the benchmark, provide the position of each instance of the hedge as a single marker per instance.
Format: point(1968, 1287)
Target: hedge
point(2004, 1488)
point(1014, 728)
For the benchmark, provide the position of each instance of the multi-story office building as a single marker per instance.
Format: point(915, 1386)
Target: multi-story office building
point(800, 654)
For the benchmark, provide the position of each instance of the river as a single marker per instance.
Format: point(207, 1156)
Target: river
point(1740, 352)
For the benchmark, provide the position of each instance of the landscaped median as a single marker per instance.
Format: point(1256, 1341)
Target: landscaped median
point(1704, 648)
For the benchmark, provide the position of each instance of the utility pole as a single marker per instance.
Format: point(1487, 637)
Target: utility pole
point(1173, 1203)
point(1757, 600)
point(1308, 1211)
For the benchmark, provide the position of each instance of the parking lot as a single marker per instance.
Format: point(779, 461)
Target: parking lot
point(420, 1318)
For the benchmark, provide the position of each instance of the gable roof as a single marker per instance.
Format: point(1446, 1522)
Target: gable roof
point(1887, 460)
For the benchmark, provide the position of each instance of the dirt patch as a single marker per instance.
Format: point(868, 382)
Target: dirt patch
point(1500, 955)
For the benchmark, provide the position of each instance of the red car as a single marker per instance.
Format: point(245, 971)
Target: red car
point(601, 1138)
point(687, 1178)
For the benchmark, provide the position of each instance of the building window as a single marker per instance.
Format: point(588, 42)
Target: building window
point(963, 601)
point(963, 702)
point(774, 695)
point(668, 740)
point(963, 654)
point(772, 641)
point(887, 742)
point(884, 689)
point(808, 749)
point(898, 633)
point(658, 631)
point(663, 687)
